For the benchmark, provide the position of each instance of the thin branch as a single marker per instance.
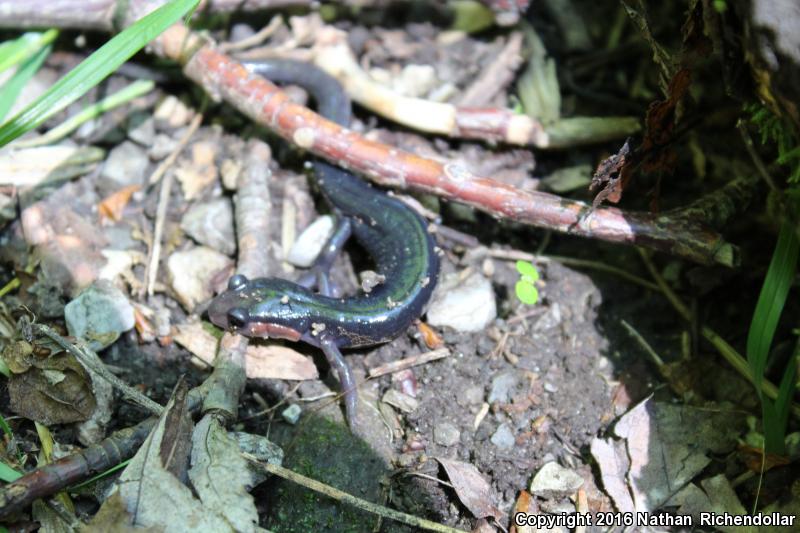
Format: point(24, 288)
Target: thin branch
point(151, 271)
point(91, 364)
point(344, 497)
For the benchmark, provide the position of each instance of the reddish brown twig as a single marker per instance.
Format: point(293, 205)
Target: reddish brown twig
point(224, 78)
point(262, 101)
point(74, 468)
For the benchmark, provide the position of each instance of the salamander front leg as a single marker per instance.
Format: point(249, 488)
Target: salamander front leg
point(318, 276)
point(348, 382)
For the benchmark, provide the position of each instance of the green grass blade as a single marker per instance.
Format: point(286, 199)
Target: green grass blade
point(124, 95)
point(781, 407)
point(95, 68)
point(14, 52)
point(5, 427)
point(8, 474)
point(11, 89)
point(770, 302)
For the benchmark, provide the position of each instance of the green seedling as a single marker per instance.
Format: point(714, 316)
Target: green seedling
point(526, 286)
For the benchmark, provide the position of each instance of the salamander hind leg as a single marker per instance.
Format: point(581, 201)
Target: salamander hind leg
point(348, 382)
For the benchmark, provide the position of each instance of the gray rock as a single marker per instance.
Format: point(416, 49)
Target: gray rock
point(553, 480)
point(99, 315)
point(446, 434)
point(192, 273)
point(397, 399)
point(125, 165)
point(467, 305)
point(292, 413)
point(142, 129)
point(163, 145)
point(503, 438)
point(472, 395)
point(211, 223)
point(502, 384)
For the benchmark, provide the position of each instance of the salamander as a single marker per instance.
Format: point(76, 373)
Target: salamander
point(395, 237)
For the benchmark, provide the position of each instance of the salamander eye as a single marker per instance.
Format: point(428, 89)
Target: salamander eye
point(237, 282)
point(238, 317)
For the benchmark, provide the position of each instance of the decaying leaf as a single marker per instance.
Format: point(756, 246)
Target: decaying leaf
point(113, 516)
point(663, 448)
point(17, 356)
point(152, 496)
point(611, 176)
point(221, 476)
point(471, 488)
point(114, 204)
point(53, 390)
point(263, 361)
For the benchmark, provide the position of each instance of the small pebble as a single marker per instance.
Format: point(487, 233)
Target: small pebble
point(553, 480)
point(142, 129)
point(211, 223)
point(125, 165)
point(163, 145)
point(192, 273)
point(171, 113)
point(472, 395)
point(99, 315)
point(502, 384)
point(503, 438)
point(446, 434)
point(310, 242)
point(292, 413)
point(397, 399)
point(467, 305)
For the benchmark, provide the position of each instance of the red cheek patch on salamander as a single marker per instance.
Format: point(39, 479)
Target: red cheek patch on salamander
point(274, 331)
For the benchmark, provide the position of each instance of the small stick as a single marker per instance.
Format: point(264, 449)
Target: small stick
point(252, 211)
point(344, 497)
point(151, 273)
point(91, 364)
point(408, 362)
point(257, 38)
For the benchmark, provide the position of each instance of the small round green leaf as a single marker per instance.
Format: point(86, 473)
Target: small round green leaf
point(527, 269)
point(526, 292)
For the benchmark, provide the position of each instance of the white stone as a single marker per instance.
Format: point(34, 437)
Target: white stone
point(309, 244)
point(553, 480)
point(467, 305)
point(191, 274)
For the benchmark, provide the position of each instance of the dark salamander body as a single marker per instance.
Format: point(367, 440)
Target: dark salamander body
point(395, 237)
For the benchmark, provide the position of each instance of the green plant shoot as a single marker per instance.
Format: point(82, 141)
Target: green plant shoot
point(526, 286)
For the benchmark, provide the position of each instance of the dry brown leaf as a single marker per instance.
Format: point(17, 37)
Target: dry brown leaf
point(472, 489)
point(263, 361)
point(112, 206)
point(429, 335)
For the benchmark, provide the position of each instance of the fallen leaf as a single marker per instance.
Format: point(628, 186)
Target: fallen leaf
point(429, 335)
point(663, 447)
point(756, 461)
point(271, 361)
point(152, 495)
point(471, 488)
point(54, 390)
point(612, 175)
point(220, 475)
point(113, 205)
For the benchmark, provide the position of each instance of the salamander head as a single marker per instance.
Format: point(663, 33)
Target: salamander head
point(266, 307)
